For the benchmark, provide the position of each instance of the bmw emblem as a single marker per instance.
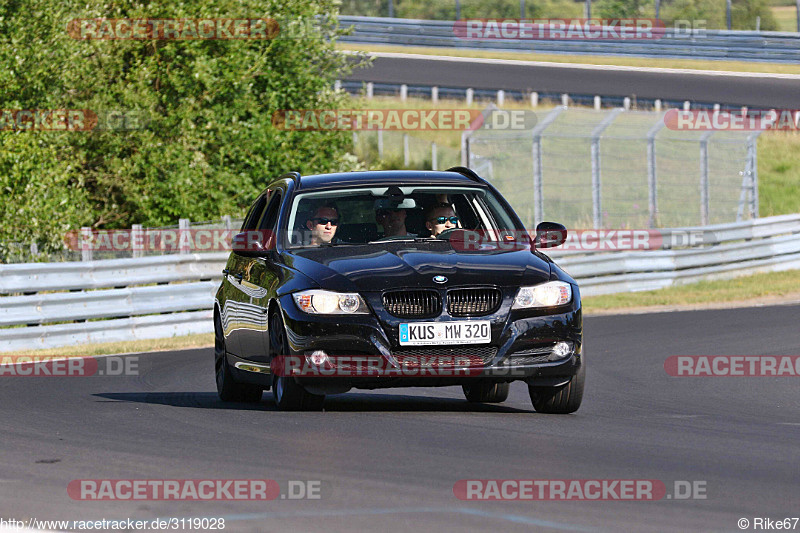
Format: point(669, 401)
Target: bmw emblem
point(439, 279)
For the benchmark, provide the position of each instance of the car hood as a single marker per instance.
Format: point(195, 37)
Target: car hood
point(373, 268)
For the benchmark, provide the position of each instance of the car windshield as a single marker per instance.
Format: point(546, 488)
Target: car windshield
point(372, 216)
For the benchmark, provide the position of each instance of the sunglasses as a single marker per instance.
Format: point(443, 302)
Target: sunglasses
point(442, 220)
point(324, 221)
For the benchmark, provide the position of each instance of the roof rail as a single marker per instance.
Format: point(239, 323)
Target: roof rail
point(468, 172)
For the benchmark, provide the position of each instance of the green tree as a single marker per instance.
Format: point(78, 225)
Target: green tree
point(208, 143)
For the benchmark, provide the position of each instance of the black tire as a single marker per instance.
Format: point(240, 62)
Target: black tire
point(289, 395)
point(486, 392)
point(228, 389)
point(560, 400)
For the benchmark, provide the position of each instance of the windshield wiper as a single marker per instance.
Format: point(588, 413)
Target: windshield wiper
point(406, 239)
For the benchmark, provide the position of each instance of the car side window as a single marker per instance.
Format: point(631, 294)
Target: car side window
point(270, 217)
point(255, 212)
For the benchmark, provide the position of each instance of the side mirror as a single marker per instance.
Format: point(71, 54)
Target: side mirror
point(253, 243)
point(550, 235)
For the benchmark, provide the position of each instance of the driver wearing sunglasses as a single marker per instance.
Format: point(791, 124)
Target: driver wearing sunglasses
point(440, 218)
point(323, 224)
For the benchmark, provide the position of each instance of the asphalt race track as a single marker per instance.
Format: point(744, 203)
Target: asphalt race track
point(388, 460)
point(755, 90)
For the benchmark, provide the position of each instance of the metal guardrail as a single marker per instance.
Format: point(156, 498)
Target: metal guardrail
point(697, 44)
point(164, 296)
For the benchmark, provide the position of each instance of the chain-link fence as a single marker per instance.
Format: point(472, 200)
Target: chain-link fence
point(615, 168)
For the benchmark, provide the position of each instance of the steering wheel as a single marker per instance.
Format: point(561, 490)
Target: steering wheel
point(448, 232)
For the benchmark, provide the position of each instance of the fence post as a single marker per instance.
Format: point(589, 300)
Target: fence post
point(597, 206)
point(704, 178)
point(136, 237)
point(652, 177)
point(183, 228)
point(470, 96)
point(406, 155)
point(434, 157)
point(86, 243)
point(538, 183)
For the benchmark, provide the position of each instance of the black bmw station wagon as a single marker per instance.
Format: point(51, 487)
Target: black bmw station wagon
point(395, 279)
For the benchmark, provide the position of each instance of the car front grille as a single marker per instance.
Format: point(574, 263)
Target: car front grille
point(473, 302)
point(413, 304)
point(442, 355)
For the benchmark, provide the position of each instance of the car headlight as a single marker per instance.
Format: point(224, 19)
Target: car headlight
point(550, 294)
point(319, 302)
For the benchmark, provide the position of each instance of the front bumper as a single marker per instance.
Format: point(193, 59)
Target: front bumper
point(364, 353)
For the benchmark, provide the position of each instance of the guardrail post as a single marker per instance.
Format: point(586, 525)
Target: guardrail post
point(538, 183)
point(86, 243)
point(434, 157)
point(226, 222)
point(535, 96)
point(704, 178)
point(501, 97)
point(370, 89)
point(403, 92)
point(565, 98)
point(380, 144)
point(652, 177)
point(597, 206)
point(337, 85)
point(470, 96)
point(626, 103)
point(183, 229)
point(465, 162)
point(137, 244)
point(435, 94)
point(597, 103)
point(355, 140)
point(687, 105)
point(406, 155)
point(658, 105)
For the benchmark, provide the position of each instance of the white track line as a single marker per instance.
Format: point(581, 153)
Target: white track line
point(583, 66)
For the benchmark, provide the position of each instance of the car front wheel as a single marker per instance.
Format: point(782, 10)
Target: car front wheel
point(559, 400)
point(289, 395)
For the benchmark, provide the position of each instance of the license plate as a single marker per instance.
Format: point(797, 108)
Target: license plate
point(468, 332)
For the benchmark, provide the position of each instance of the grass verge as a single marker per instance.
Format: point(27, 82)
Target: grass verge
point(145, 345)
point(758, 289)
point(694, 64)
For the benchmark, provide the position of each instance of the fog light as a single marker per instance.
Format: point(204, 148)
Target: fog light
point(560, 351)
point(319, 357)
